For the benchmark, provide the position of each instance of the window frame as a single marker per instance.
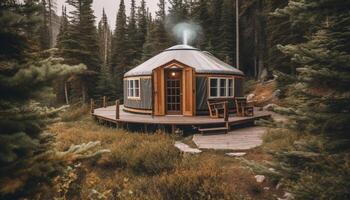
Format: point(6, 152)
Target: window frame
point(131, 91)
point(218, 87)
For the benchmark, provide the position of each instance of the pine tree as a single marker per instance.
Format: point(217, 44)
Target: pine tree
point(148, 48)
point(177, 11)
point(142, 25)
point(279, 31)
point(132, 48)
point(317, 166)
point(45, 37)
point(82, 48)
point(216, 12)
point(24, 74)
point(105, 41)
point(119, 56)
point(105, 83)
point(227, 43)
point(201, 15)
point(162, 39)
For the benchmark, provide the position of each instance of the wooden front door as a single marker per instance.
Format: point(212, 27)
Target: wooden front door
point(173, 92)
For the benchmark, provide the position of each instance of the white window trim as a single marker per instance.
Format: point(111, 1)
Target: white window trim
point(218, 87)
point(128, 89)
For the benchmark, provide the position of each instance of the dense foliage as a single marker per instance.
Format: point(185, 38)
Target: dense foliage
point(316, 166)
point(25, 76)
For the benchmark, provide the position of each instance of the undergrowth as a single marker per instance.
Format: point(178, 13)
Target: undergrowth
point(145, 166)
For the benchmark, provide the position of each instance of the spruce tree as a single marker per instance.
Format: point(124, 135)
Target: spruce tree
point(317, 166)
point(25, 158)
point(142, 25)
point(105, 41)
point(216, 12)
point(45, 37)
point(177, 11)
point(162, 39)
point(148, 48)
point(227, 43)
point(105, 83)
point(201, 15)
point(119, 55)
point(82, 48)
point(132, 48)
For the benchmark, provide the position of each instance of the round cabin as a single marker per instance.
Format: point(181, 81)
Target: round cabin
point(180, 81)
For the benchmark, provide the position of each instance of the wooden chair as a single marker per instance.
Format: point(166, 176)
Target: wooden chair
point(216, 108)
point(243, 107)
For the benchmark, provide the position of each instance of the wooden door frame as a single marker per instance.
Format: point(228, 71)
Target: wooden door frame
point(188, 93)
point(166, 76)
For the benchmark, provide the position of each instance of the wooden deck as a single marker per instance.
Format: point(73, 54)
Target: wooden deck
point(238, 140)
point(109, 114)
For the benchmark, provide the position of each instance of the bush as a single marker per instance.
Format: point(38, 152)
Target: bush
point(205, 182)
point(277, 138)
point(75, 113)
point(151, 154)
point(332, 181)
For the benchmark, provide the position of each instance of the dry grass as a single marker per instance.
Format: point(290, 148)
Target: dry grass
point(276, 139)
point(147, 166)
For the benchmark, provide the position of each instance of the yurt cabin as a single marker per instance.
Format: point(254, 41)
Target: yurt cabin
point(179, 81)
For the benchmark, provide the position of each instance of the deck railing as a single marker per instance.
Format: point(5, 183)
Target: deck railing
point(103, 103)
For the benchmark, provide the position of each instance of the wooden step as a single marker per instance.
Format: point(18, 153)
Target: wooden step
point(202, 130)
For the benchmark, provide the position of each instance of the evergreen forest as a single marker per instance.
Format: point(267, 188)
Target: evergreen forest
point(52, 64)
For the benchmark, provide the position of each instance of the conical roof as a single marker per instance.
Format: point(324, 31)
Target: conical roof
point(203, 62)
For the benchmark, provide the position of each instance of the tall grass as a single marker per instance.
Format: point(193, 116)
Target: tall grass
point(147, 166)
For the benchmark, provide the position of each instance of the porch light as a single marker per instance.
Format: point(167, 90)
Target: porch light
point(173, 74)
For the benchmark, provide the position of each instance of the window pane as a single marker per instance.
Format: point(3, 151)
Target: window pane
point(131, 84)
point(128, 87)
point(137, 92)
point(213, 87)
point(230, 87)
point(223, 87)
point(213, 82)
point(137, 83)
point(213, 92)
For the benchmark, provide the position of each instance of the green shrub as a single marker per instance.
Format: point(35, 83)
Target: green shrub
point(332, 181)
point(151, 154)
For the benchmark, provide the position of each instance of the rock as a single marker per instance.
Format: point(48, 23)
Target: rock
point(250, 97)
point(278, 186)
point(259, 178)
point(270, 107)
point(272, 169)
point(276, 94)
point(266, 188)
point(236, 154)
point(287, 196)
point(185, 148)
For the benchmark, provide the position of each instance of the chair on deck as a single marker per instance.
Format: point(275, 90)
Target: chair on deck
point(216, 108)
point(243, 107)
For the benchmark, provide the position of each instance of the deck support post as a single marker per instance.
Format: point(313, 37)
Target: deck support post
point(104, 101)
point(173, 128)
point(226, 115)
point(117, 103)
point(92, 106)
point(145, 128)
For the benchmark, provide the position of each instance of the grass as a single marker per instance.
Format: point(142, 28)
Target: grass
point(148, 166)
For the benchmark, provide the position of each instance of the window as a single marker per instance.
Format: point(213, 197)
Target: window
point(133, 88)
point(213, 87)
point(221, 87)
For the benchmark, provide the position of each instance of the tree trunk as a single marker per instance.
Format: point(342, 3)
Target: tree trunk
point(66, 92)
point(83, 92)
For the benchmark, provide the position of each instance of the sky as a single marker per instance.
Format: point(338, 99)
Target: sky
point(111, 8)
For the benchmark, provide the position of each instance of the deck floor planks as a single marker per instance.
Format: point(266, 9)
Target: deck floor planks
point(240, 139)
point(108, 114)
